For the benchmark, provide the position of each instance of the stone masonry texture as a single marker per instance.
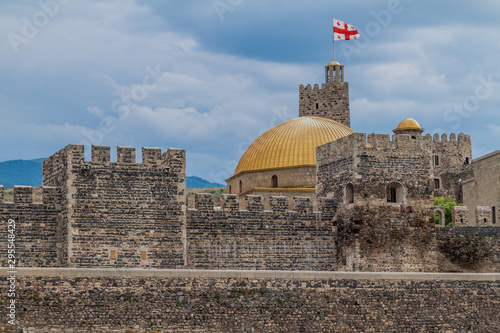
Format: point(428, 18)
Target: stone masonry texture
point(120, 214)
point(37, 228)
point(249, 304)
point(230, 238)
point(331, 101)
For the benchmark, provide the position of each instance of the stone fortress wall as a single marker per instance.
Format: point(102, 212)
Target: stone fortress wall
point(37, 227)
point(100, 213)
point(254, 238)
point(379, 229)
point(152, 300)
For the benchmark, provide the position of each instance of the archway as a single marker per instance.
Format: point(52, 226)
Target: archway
point(395, 193)
point(274, 181)
point(349, 194)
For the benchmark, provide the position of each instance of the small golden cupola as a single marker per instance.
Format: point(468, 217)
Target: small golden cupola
point(409, 126)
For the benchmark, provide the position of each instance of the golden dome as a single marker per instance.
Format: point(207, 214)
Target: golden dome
point(408, 124)
point(334, 63)
point(291, 144)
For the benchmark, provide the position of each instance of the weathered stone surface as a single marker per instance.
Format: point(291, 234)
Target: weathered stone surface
point(331, 101)
point(119, 214)
point(36, 228)
point(259, 239)
point(469, 249)
point(170, 304)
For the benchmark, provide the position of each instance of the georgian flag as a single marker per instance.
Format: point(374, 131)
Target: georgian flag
point(344, 31)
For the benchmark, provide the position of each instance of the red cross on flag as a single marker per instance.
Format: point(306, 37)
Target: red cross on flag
point(344, 31)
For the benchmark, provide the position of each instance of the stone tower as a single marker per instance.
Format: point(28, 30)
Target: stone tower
point(331, 101)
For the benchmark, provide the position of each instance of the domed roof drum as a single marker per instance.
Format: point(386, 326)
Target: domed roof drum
point(291, 144)
point(408, 124)
point(334, 63)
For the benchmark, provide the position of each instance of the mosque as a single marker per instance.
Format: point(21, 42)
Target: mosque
point(282, 161)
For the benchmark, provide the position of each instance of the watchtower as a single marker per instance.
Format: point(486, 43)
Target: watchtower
point(331, 101)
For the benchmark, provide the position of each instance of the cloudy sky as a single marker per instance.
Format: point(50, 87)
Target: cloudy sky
point(209, 76)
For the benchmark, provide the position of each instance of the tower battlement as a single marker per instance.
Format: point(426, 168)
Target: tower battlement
point(331, 101)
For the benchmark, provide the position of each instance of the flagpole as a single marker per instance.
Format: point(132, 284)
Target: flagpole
point(333, 40)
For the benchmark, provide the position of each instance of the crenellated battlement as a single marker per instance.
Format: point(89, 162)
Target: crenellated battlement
point(230, 206)
point(101, 155)
point(23, 197)
point(72, 158)
point(443, 138)
point(254, 238)
point(330, 101)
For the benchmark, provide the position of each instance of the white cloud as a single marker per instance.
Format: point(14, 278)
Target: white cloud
point(94, 110)
point(64, 84)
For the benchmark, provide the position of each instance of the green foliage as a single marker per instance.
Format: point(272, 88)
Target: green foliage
point(448, 203)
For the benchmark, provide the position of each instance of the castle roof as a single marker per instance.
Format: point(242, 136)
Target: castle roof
point(291, 144)
point(334, 63)
point(408, 124)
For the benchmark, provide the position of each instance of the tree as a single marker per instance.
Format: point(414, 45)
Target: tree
point(448, 203)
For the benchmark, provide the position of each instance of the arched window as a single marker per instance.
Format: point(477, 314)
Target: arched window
point(241, 187)
point(349, 194)
point(439, 218)
point(229, 189)
point(395, 193)
point(274, 181)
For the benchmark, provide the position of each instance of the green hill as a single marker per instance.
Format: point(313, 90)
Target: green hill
point(197, 182)
point(21, 172)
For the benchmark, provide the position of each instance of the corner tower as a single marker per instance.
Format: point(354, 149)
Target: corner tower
point(331, 101)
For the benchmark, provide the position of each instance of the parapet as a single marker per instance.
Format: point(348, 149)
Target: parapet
point(316, 88)
point(204, 202)
point(23, 196)
point(151, 156)
point(55, 168)
point(461, 138)
point(400, 140)
point(460, 216)
point(125, 155)
point(255, 204)
point(483, 216)
point(342, 146)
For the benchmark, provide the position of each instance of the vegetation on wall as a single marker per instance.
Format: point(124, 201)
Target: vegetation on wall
point(448, 203)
